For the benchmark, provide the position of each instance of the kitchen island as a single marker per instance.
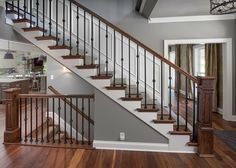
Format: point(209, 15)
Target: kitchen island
point(6, 83)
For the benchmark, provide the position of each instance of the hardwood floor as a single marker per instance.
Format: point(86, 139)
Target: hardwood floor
point(14, 156)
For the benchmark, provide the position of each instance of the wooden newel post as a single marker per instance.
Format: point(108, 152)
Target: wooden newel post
point(204, 118)
point(12, 131)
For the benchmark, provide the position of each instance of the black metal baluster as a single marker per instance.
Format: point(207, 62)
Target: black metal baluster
point(31, 120)
point(71, 121)
point(24, 8)
point(25, 119)
point(18, 9)
point(53, 120)
point(82, 120)
point(63, 21)
point(137, 82)
point(186, 103)
point(42, 140)
point(177, 99)
point(107, 50)
point(70, 28)
point(92, 40)
point(36, 109)
point(114, 66)
point(129, 72)
point(77, 19)
point(76, 120)
point(59, 117)
point(99, 48)
point(57, 39)
point(44, 17)
point(89, 138)
point(170, 103)
point(154, 83)
point(122, 60)
point(145, 79)
point(37, 13)
point(20, 118)
point(194, 115)
point(65, 139)
point(50, 17)
point(84, 37)
point(161, 90)
point(47, 119)
point(31, 13)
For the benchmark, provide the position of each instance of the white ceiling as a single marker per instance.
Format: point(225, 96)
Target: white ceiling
point(172, 8)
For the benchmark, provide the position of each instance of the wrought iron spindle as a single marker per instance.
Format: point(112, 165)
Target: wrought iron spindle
point(47, 109)
point(31, 120)
point(36, 109)
point(107, 50)
point(137, 82)
point(63, 22)
point(53, 120)
point(84, 37)
point(18, 9)
point(44, 17)
point(177, 99)
point(122, 60)
point(145, 79)
point(25, 119)
point(194, 115)
point(129, 71)
point(114, 65)
point(92, 40)
point(24, 8)
point(31, 13)
point(59, 123)
point(162, 91)
point(77, 20)
point(20, 118)
point(186, 103)
point(76, 120)
point(82, 120)
point(42, 140)
point(65, 139)
point(170, 101)
point(154, 83)
point(57, 23)
point(50, 17)
point(99, 47)
point(37, 13)
point(71, 121)
point(89, 111)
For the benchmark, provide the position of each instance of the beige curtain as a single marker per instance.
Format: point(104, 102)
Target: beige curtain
point(212, 55)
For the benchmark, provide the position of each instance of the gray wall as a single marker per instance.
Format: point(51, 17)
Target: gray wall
point(111, 119)
point(7, 32)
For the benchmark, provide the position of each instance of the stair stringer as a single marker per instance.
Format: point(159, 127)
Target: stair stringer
point(177, 143)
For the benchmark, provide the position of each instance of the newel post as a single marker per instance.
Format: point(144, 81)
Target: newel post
point(12, 131)
point(204, 119)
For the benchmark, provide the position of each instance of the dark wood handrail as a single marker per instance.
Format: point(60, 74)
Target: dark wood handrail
point(177, 68)
point(55, 96)
point(64, 98)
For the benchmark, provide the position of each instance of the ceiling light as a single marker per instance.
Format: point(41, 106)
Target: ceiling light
point(220, 7)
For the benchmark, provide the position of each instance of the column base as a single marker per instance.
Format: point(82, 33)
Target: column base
point(12, 136)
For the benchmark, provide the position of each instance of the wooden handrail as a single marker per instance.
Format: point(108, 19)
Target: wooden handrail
point(64, 98)
point(55, 96)
point(177, 68)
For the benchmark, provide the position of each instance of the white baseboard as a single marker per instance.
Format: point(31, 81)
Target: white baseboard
point(62, 123)
point(135, 146)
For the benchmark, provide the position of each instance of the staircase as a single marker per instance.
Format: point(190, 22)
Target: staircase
point(121, 67)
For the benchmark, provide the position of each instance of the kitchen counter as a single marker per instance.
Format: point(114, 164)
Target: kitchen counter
point(6, 83)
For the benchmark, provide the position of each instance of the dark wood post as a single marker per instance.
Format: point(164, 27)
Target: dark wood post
point(204, 119)
point(12, 132)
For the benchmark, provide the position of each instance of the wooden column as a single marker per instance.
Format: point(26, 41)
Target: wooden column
point(204, 118)
point(12, 132)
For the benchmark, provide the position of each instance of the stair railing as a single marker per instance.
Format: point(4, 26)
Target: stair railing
point(116, 53)
point(47, 119)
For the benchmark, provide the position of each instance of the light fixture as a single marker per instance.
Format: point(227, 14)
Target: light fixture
point(8, 54)
point(220, 7)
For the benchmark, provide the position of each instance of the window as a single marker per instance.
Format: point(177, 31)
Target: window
point(199, 60)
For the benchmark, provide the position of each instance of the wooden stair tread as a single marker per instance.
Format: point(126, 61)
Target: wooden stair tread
point(22, 20)
point(164, 121)
point(147, 109)
point(73, 57)
point(116, 87)
point(28, 29)
point(180, 132)
point(132, 98)
point(93, 66)
point(57, 47)
point(46, 38)
point(192, 144)
point(102, 76)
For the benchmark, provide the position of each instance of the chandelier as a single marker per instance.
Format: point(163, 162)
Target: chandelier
point(220, 7)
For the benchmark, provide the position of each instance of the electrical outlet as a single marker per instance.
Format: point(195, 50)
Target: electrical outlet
point(52, 77)
point(122, 136)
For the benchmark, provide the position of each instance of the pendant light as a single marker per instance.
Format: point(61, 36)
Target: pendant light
point(8, 54)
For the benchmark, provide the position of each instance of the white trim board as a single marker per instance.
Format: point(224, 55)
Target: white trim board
point(227, 70)
point(197, 18)
point(136, 146)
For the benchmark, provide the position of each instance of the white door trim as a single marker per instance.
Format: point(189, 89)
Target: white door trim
point(227, 71)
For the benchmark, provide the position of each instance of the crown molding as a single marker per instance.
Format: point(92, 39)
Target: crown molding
point(197, 18)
